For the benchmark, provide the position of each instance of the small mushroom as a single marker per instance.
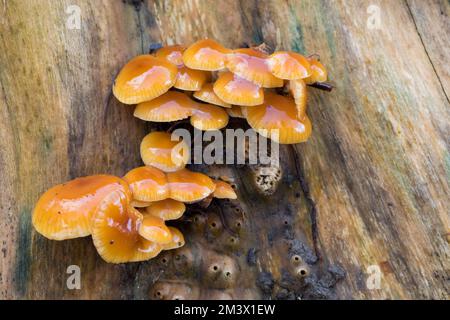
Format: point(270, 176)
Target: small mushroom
point(207, 94)
point(171, 106)
point(190, 79)
point(115, 231)
point(177, 239)
point(160, 151)
point(167, 209)
point(205, 55)
point(66, 211)
point(299, 93)
point(289, 65)
point(235, 112)
point(250, 64)
point(173, 54)
point(209, 117)
point(144, 78)
point(235, 90)
point(154, 229)
point(318, 72)
point(277, 119)
point(224, 190)
point(187, 79)
point(147, 184)
point(188, 186)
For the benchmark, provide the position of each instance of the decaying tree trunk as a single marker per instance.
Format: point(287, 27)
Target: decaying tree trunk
point(369, 191)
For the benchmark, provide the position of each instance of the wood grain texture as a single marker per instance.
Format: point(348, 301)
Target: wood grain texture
point(377, 167)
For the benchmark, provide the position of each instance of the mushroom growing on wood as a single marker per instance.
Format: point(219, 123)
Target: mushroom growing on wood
point(144, 78)
point(154, 229)
point(160, 151)
point(205, 55)
point(115, 231)
point(167, 209)
point(298, 90)
point(208, 117)
point(173, 54)
point(188, 186)
point(147, 184)
point(289, 65)
point(66, 210)
point(235, 90)
point(251, 65)
point(318, 72)
point(224, 190)
point(207, 94)
point(277, 119)
point(177, 239)
point(171, 106)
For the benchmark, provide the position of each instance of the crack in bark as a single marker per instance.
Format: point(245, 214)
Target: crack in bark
point(426, 51)
point(311, 204)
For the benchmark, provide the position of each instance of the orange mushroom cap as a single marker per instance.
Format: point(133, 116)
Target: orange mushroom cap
point(299, 93)
point(205, 55)
point(171, 106)
point(207, 94)
point(235, 112)
point(115, 231)
point(147, 184)
point(190, 79)
point(318, 72)
point(189, 186)
point(173, 54)
point(224, 190)
point(236, 90)
point(66, 211)
point(167, 209)
point(289, 65)
point(177, 240)
point(209, 117)
point(154, 229)
point(251, 65)
point(160, 151)
point(280, 114)
point(144, 78)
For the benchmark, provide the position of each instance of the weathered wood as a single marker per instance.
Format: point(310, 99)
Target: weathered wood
point(376, 168)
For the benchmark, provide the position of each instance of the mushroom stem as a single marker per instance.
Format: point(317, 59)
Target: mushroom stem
point(322, 86)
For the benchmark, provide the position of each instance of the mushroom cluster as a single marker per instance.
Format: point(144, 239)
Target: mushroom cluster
point(209, 83)
point(206, 83)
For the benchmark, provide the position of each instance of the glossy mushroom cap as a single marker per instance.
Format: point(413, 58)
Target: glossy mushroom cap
point(251, 65)
point(188, 186)
point(168, 209)
point(318, 72)
point(278, 115)
point(235, 112)
point(236, 90)
point(66, 211)
point(147, 184)
point(190, 79)
point(207, 94)
point(209, 117)
point(160, 151)
point(173, 54)
point(177, 240)
point(299, 93)
point(289, 65)
point(224, 190)
point(154, 229)
point(115, 231)
point(144, 78)
point(205, 55)
point(171, 106)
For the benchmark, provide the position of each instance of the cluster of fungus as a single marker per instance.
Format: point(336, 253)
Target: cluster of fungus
point(205, 83)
